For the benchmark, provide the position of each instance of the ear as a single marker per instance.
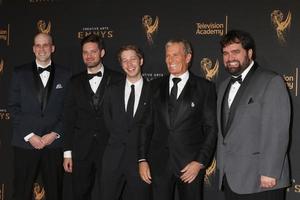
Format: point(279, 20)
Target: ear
point(250, 54)
point(141, 61)
point(52, 48)
point(102, 53)
point(188, 58)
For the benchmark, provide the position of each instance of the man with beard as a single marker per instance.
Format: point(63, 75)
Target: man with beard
point(253, 118)
point(85, 131)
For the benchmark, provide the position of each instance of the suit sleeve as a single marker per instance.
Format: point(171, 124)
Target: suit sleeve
point(14, 101)
point(146, 130)
point(276, 112)
point(69, 116)
point(209, 129)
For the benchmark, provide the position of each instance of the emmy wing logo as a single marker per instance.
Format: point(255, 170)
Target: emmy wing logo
point(1, 66)
point(150, 27)
point(281, 24)
point(208, 69)
point(5, 33)
point(43, 27)
point(210, 171)
point(38, 192)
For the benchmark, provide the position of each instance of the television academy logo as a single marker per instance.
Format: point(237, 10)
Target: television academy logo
point(212, 28)
point(43, 27)
point(5, 34)
point(150, 27)
point(210, 71)
point(281, 25)
point(291, 81)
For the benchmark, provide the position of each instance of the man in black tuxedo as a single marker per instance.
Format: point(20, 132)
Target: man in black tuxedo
point(85, 131)
point(124, 106)
point(181, 142)
point(36, 106)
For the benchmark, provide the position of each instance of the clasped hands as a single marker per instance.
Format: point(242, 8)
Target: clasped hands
point(39, 142)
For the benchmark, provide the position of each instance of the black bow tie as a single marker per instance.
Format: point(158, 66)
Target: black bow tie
point(90, 76)
point(238, 79)
point(41, 70)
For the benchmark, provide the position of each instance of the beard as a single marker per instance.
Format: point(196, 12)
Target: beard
point(92, 65)
point(235, 71)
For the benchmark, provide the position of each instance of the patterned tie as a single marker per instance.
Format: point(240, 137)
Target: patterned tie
point(130, 103)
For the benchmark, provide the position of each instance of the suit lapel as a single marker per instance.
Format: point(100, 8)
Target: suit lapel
point(87, 90)
point(239, 95)
point(164, 95)
point(184, 99)
point(142, 101)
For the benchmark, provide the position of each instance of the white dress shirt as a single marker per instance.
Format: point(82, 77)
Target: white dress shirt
point(137, 93)
point(94, 83)
point(44, 78)
point(235, 86)
point(96, 80)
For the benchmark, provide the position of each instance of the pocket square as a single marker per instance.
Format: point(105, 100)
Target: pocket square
point(59, 86)
point(250, 100)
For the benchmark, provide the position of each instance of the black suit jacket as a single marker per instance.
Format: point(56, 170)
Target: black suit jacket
point(83, 124)
point(28, 115)
point(192, 137)
point(123, 135)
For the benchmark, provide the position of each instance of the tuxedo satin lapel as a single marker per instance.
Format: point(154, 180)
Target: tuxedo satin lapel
point(87, 90)
point(103, 84)
point(49, 87)
point(36, 83)
point(164, 95)
point(143, 97)
point(238, 96)
point(221, 102)
point(184, 100)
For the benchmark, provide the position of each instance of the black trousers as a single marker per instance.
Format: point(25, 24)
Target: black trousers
point(120, 176)
point(28, 163)
point(165, 184)
point(278, 194)
point(86, 172)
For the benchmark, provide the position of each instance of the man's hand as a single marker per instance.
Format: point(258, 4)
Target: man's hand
point(37, 142)
point(267, 182)
point(144, 170)
point(49, 138)
point(190, 171)
point(68, 165)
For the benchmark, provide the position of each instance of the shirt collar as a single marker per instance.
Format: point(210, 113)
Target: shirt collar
point(184, 76)
point(101, 70)
point(38, 65)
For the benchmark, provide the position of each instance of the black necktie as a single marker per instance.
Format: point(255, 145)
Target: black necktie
point(90, 76)
point(174, 89)
point(130, 103)
point(41, 69)
point(238, 79)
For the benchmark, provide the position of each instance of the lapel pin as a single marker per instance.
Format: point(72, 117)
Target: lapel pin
point(58, 86)
point(192, 105)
